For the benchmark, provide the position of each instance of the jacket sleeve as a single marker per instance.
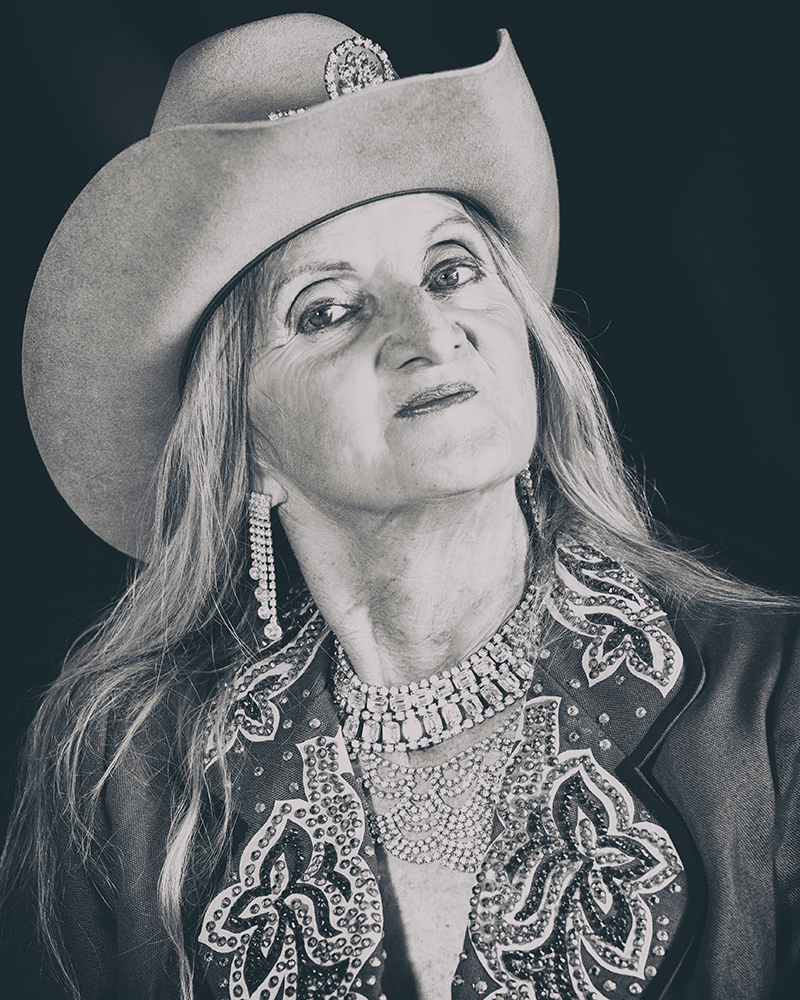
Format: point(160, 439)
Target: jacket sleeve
point(84, 912)
point(783, 726)
point(730, 766)
point(107, 906)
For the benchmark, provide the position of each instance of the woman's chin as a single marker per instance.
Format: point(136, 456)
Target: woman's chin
point(461, 480)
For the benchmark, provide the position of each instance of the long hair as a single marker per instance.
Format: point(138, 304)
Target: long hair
point(184, 626)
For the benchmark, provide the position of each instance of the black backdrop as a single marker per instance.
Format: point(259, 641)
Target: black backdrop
point(672, 130)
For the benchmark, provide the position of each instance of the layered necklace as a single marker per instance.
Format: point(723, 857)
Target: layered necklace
point(418, 715)
point(439, 812)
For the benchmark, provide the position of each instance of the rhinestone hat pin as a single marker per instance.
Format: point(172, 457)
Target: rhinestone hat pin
point(354, 64)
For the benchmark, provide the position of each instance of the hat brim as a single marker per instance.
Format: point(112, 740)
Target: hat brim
point(167, 224)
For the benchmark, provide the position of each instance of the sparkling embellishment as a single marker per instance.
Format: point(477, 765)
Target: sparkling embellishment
point(603, 718)
point(273, 116)
point(306, 907)
point(572, 710)
point(624, 623)
point(418, 715)
point(355, 64)
point(604, 744)
point(439, 812)
point(391, 733)
point(571, 871)
point(263, 568)
point(253, 713)
point(641, 712)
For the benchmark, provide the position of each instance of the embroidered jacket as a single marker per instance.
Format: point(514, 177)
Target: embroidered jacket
point(646, 840)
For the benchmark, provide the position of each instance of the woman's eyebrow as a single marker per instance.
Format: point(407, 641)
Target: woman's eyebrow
point(455, 218)
point(307, 267)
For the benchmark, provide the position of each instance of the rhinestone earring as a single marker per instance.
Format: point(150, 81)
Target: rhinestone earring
point(526, 495)
point(263, 567)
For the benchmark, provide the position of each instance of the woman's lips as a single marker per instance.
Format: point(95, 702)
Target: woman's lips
point(437, 398)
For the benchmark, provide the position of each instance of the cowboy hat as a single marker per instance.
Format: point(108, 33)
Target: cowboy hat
point(262, 131)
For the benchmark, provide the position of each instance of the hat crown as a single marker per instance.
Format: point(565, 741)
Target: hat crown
point(248, 73)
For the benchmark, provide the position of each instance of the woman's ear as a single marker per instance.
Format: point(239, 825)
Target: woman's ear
point(263, 481)
point(263, 478)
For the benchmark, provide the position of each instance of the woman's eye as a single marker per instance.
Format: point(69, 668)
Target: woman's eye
point(452, 275)
point(322, 316)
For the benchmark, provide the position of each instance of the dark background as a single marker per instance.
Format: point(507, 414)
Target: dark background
point(673, 129)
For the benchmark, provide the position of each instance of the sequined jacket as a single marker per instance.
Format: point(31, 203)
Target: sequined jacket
point(646, 841)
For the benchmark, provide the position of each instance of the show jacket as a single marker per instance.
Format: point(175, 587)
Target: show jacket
point(646, 840)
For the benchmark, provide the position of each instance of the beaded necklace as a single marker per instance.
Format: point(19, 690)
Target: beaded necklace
point(420, 714)
point(439, 812)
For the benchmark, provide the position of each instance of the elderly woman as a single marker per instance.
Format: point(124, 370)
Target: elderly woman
point(477, 733)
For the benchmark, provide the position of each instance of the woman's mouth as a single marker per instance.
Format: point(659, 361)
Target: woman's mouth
point(437, 398)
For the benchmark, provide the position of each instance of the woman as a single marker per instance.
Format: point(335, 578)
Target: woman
point(475, 733)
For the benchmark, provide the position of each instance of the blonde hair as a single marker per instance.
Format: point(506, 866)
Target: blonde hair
point(185, 624)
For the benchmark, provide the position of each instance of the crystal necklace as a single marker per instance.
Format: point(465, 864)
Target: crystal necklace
point(440, 812)
point(417, 715)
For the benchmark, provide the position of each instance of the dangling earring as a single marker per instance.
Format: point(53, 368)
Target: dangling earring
point(526, 496)
point(263, 568)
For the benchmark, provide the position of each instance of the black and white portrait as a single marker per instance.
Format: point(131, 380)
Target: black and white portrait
point(403, 418)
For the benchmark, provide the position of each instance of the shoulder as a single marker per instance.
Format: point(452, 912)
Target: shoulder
point(742, 695)
point(739, 631)
point(742, 650)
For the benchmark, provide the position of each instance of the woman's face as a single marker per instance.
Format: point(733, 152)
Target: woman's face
point(395, 367)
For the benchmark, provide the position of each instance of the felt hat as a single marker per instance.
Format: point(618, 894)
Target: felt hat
point(231, 168)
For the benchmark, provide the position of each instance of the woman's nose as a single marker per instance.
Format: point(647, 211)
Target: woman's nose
point(418, 331)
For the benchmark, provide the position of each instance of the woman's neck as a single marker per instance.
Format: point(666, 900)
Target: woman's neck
point(412, 593)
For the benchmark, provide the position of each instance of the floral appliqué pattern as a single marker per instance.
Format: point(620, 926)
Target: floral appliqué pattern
point(569, 876)
point(596, 597)
point(253, 713)
point(305, 917)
